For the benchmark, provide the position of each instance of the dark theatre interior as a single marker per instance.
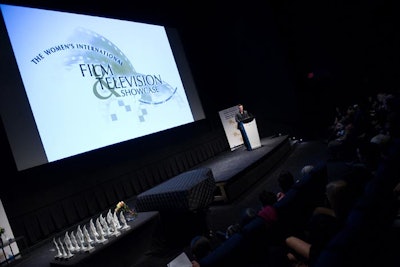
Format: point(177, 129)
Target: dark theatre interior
point(291, 63)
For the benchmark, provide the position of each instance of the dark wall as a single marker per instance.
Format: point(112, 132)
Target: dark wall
point(256, 54)
point(48, 199)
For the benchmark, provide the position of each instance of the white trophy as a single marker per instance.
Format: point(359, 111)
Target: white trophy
point(68, 242)
point(81, 242)
point(79, 233)
point(93, 228)
point(99, 227)
point(109, 216)
point(115, 217)
point(114, 229)
point(105, 226)
point(75, 242)
point(125, 226)
point(87, 235)
point(101, 238)
point(59, 254)
point(89, 247)
point(64, 253)
point(69, 253)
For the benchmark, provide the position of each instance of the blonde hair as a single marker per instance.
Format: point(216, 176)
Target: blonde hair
point(339, 197)
point(306, 170)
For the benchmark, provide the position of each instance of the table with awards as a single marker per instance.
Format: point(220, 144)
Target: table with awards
point(189, 191)
point(108, 240)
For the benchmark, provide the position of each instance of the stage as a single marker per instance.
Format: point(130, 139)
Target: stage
point(235, 171)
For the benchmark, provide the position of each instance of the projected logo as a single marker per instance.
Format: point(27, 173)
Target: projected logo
point(114, 76)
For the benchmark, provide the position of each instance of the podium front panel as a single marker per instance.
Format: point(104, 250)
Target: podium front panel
point(252, 134)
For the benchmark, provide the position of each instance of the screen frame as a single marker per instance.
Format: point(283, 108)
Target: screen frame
point(19, 123)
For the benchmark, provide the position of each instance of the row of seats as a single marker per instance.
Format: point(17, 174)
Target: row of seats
point(249, 246)
point(365, 240)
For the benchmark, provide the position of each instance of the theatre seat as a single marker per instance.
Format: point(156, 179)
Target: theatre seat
point(295, 209)
point(368, 238)
point(249, 247)
point(245, 248)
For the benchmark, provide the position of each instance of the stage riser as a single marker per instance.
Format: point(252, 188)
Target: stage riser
point(233, 188)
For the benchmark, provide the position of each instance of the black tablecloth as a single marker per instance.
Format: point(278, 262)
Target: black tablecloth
point(189, 191)
point(123, 250)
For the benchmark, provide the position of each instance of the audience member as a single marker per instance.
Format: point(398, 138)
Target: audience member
point(247, 215)
point(268, 212)
point(306, 170)
point(336, 126)
point(285, 182)
point(385, 118)
point(340, 124)
point(267, 198)
point(340, 199)
point(360, 139)
point(368, 156)
point(342, 148)
point(200, 246)
point(323, 225)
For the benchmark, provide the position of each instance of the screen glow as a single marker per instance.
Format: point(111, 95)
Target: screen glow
point(76, 83)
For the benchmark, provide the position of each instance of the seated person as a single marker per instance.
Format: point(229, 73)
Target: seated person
point(306, 170)
point(200, 246)
point(285, 181)
point(247, 215)
point(268, 212)
point(323, 225)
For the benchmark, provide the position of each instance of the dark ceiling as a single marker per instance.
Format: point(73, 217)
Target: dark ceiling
point(354, 43)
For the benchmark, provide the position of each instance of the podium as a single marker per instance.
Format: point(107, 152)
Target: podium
point(250, 133)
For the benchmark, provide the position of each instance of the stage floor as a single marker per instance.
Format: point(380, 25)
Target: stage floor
point(234, 171)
